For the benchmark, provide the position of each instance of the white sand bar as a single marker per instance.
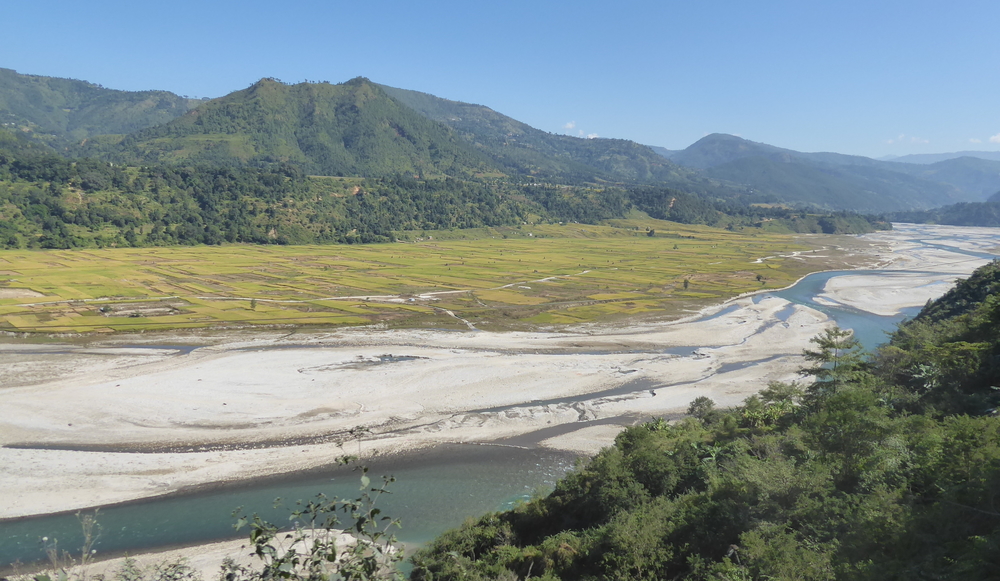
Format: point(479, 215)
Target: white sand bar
point(257, 403)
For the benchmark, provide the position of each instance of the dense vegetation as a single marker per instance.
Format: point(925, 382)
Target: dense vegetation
point(62, 112)
point(53, 203)
point(677, 206)
point(47, 201)
point(965, 214)
point(885, 467)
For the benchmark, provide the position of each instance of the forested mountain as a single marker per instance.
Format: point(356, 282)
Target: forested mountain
point(976, 177)
point(350, 129)
point(883, 467)
point(838, 181)
point(858, 188)
point(965, 214)
point(362, 129)
point(719, 148)
point(62, 112)
point(524, 150)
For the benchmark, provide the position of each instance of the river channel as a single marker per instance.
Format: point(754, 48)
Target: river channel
point(437, 488)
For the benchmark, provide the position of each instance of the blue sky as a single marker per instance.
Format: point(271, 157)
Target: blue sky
point(862, 77)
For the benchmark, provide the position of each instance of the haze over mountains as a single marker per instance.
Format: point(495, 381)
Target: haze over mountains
point(359, 128)
point(936, 157)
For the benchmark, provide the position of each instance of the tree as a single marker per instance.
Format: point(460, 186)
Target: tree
point(310, 551)
point(701, 406)
point(838, 359)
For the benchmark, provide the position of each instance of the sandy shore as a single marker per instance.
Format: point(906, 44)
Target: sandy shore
point(80, 422)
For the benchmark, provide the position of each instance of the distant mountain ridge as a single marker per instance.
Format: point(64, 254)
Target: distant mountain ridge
point(828, 179)
point(926, 158)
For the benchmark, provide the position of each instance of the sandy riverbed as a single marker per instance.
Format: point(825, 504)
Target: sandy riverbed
point(252, 404)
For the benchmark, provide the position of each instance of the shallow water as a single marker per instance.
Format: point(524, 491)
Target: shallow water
point(870, 329)
point(434, 490)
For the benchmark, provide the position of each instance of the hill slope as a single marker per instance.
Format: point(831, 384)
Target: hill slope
point(983, 214)
point(62, 111)
point(522, 149)
point(974, 176)
point(352, 128)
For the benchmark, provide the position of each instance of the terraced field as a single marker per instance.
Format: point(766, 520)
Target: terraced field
point(496, 278)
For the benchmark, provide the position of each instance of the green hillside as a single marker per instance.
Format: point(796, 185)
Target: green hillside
point(984, 214)
point(350, 129)
point(360, 129)
point(65, 111)
point(522, 149)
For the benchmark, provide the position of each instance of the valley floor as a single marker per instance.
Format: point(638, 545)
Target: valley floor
point(138, 416)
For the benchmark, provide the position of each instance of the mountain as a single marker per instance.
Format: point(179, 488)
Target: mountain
point(925, 158)
point(522, 149)
point(663, 151)
point(995, 198)
point(974, 176)
point(838, 181)
point(359, 128)
point(719, 148)
point(982, 214)
point(858, 189)
point(352, 128)
point(63, 111)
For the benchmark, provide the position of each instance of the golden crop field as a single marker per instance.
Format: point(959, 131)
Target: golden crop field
point(494, 278)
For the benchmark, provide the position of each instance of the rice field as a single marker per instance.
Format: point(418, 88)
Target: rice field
point(491, 278)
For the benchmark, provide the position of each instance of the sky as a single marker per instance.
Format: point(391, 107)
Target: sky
point(872, 77)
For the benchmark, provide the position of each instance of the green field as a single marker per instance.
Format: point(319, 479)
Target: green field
point(506, 278)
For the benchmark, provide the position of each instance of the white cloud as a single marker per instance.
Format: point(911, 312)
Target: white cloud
point(580, 133)
point(904, 138)
point(592, 136)
point(975, 140)
point(569, 125)
point(995, 138)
